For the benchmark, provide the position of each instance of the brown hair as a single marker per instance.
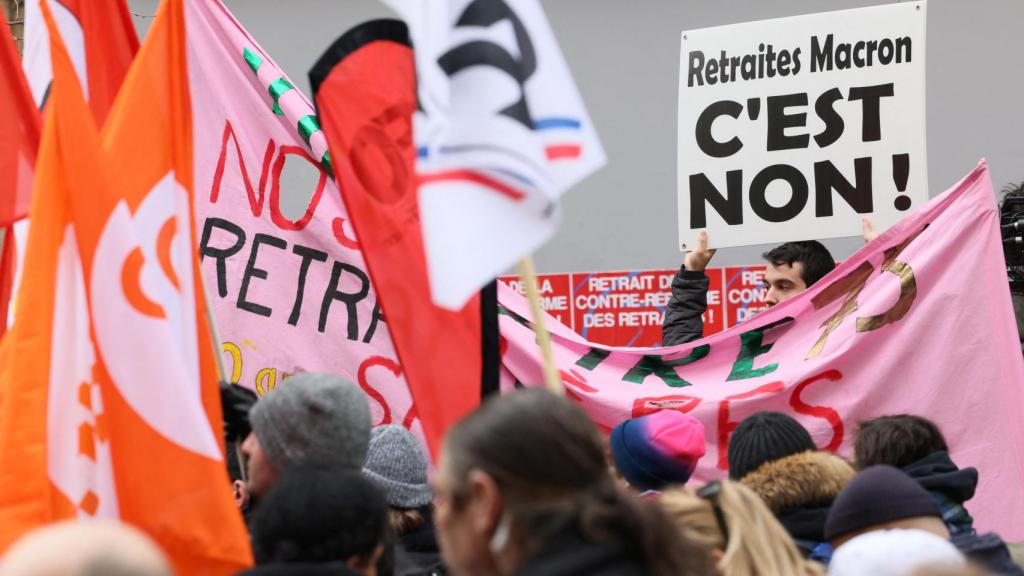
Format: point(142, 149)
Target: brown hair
point(405, 520)
point(547, 458)
point(897, 441)
point(757, 544)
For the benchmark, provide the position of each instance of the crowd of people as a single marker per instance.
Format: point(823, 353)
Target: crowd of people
point(528, 485)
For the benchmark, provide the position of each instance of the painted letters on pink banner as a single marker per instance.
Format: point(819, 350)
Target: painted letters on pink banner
point(917, 321)
point(290, 292)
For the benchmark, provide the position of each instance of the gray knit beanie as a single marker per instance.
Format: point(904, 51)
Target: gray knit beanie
point(395, 464)
point(312, 419)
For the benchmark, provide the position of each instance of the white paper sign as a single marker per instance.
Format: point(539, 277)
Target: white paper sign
point(796, 128)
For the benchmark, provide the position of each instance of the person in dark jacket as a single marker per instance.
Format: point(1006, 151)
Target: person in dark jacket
point(773, 455)
point(799, 490)
point(396, 465)
point(523, 489)
point(319, 521)
point(916, 446)
point(792, 268)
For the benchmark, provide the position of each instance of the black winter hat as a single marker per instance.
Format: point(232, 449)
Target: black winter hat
point(313, 515)
point(877, 495)
point(765, 437)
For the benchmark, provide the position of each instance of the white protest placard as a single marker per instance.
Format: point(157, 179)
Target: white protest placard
point(796, 128)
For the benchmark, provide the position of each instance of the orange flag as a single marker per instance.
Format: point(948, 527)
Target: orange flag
point(108, 387)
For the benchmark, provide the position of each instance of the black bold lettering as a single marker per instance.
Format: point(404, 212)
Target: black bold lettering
point(871, 96)
point(729, 207)
point(904, 52)
point(858, 54)
point(778, 121)
point(711, 72)
point(706, 141)
point(784, 63)
point(252, 271)
point(307, 255)
point(834, 124)
point(351, 299)
point(797, 200)
point(827, 178)
point(221, 254)
point(821, 56)
point(885, 51)
point(843, 56)
point(696, 69)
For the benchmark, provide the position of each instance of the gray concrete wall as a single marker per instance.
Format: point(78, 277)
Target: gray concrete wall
point(624, 55)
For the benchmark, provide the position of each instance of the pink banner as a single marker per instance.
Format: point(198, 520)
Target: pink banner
point(290, 292)
point(917, 321)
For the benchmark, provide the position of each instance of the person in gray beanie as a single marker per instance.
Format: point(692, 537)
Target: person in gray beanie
point(396, 465)
point(318, 420)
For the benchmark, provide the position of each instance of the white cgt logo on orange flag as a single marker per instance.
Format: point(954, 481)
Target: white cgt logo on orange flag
point(153, 302)
point(78, 459)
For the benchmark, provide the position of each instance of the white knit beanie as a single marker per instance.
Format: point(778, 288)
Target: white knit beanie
point(893, 553)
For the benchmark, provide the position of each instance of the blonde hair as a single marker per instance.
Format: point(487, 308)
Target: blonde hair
point(758, 545)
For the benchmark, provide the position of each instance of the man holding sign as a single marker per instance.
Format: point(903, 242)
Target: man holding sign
point(791, 128)
point(792, 268)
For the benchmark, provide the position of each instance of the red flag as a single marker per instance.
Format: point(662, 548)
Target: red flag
point(365, 89)
point(19, 138)
point(102, 43)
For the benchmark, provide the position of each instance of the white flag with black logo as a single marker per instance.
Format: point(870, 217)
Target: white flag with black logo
point(501, 134)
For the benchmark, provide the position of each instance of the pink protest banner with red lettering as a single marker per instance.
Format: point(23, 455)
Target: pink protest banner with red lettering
point(290, 293)
point(918, 321)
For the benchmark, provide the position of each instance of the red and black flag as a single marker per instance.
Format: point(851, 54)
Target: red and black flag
point(365, 90)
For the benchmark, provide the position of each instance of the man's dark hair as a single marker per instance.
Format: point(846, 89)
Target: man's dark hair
point(816, 259)
point(898, 441)
point(1013, 190)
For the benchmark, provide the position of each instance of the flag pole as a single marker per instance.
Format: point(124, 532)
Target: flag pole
point(218, 351)
point(6, 266)
point(218, 354)
point(529, 277)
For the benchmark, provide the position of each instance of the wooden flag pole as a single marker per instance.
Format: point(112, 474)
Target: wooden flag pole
point(218, 354)
point(527, 274)
point(218, 351)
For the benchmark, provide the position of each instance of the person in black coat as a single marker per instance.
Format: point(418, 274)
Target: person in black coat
point(318, 521)
point(773, 455)
point(918, 448)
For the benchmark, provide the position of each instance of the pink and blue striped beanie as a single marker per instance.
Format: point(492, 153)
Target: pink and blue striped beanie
point(656, 450)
